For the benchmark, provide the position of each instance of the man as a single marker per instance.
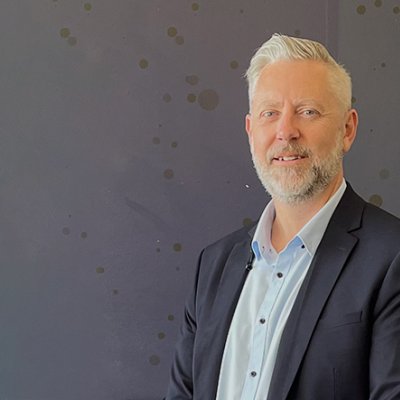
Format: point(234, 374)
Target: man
point(306, 305)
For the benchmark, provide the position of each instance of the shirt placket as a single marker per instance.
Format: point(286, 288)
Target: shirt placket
point(260, 344)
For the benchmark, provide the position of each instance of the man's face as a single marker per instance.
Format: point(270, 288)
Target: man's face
point(298, 130)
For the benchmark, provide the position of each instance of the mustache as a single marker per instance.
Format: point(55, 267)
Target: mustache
point(293, 148)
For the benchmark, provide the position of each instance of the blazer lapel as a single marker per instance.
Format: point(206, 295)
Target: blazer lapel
point(230, 286)
point(325, 268)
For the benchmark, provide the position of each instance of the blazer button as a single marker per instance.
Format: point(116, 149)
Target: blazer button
point(253, 373)
point(262, 320)
point(279, 274)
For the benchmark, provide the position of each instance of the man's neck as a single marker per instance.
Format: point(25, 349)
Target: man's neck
point(290, 218)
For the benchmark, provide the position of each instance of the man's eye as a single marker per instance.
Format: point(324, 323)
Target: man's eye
point(310, 112)
point(268, 114)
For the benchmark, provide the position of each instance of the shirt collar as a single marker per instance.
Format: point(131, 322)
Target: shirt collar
point(310, 235)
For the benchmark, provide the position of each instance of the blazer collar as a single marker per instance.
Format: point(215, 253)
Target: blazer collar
point(328, 262)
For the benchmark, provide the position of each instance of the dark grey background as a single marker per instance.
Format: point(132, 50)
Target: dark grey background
point(123, 153)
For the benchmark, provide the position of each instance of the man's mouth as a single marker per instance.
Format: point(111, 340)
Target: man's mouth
point(288, 158)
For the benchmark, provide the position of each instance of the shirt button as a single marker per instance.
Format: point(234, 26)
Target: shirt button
point(262, 320)
point(253, 373)
point(279, 274)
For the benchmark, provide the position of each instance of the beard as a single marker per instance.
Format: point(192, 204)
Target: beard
point(298, 183)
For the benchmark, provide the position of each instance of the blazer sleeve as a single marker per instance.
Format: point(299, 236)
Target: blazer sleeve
point(385, 338)
point(181, 377)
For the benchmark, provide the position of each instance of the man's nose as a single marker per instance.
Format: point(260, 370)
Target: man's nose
point(286, 128)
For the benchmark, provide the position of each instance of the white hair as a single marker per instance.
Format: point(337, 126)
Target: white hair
point(281, 47)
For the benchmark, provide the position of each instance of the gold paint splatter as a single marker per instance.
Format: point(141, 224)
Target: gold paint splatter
point(234, 64)
point(247, 222)
point(156, 140)
point(396, 10)
point(384, 173)
point(143, 63)
point(378, 3)
point(167, 97)
point(376, 200)
point(171, 317)
point(192, 79)
point(191, 97)
point(177, 247)
point(195, 6)
point(208, 99)
point(361, 10)
point(161, 335)
point(172, 31)
point(100, 270)
point(353, 100)
point(168, 174)
point(66, 231)
point(154, 360)
point(84, 235)
point(174, 145)
point(72, 41)
point(115, 291)
point(179, 40)
point(87, 6)
point(64, 32)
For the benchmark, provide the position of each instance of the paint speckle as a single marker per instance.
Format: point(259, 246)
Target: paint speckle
point(170, 317)
point(234, 64)
point(161, 335)
point(167, 97)
point(191, 97)
point(241, 11)
point(174, 145)
point(168, 174)
point(66, 231)
point(378, 3)
point(179, 40)
point(143, 63)
point(84, 235)
point(247, 221)
point(172, 31)
point(156, 140)
point(384, 173)
point(87, 6)
point(396, 10)
point(376, 200)
point(192, 79)
point(158, 250)
point(208, 99)
point(100, 270)
point(72, 41)
point(178, 268)
point(195, 6)
point(64, 33)
point(177, 247)
point(154, 360)
point(353, 100)
point(361, 10)
point(297, 32)
point(383, 65)
point(115, 291)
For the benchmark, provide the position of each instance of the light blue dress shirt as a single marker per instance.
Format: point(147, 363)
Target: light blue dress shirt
point(265, 303)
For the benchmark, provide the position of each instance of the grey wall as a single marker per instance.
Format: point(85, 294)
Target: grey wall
point(123, 153)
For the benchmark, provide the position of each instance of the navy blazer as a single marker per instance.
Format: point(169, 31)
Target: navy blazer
point(342, 337)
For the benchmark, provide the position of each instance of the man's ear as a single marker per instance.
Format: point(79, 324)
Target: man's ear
point(248, 125)
point(350, 129)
